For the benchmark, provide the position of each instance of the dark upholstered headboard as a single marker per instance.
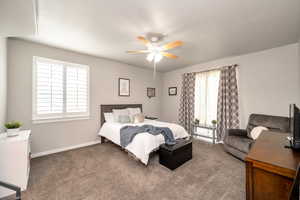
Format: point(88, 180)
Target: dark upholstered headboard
point(109, 107)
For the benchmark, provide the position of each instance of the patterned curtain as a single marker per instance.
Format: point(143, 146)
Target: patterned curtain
point(187, 101)
point(228, 104)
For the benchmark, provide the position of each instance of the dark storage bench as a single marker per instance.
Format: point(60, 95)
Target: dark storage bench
point(175, 155)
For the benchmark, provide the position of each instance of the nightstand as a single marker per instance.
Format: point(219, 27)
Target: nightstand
point(152, 118)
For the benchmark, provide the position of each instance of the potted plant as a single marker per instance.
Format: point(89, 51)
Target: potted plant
point(197, 121)
point(214, 122)
point(12, 128)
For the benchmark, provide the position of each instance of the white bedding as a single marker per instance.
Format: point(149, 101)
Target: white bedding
point(142, 144)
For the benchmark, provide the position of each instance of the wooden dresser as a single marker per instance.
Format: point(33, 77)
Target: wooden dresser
point(270, 168)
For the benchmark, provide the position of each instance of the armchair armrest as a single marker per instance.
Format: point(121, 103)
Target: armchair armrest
point(237, 132)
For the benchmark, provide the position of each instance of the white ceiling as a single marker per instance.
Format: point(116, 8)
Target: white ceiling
point(210, 29)
point(17, 17)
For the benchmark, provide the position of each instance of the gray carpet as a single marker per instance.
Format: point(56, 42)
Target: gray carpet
point(105, 172)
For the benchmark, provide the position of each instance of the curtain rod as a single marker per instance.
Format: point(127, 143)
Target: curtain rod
point(216, 68)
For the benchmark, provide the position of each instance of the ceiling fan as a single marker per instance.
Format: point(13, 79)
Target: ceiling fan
point(155, 52)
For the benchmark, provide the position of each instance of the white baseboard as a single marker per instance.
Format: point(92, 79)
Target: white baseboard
point(44, 153)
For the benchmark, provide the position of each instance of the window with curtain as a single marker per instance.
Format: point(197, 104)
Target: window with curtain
point(60, 90)
point(206, 97)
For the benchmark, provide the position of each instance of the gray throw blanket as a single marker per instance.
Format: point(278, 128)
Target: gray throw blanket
point(127, 133)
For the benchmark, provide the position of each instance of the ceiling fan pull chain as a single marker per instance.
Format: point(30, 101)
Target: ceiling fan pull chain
point(154, 70)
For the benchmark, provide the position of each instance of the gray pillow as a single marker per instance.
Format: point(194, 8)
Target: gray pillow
point(124, 119)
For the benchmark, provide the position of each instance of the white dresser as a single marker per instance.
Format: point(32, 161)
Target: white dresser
point(14, 160)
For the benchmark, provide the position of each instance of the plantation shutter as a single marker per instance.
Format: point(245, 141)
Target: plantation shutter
point(77, 89)
point(49, 88)
point(60, 89)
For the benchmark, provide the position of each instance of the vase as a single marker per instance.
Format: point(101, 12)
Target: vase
point(12, 132)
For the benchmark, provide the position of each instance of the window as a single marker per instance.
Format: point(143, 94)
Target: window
point(206, 96)
point(60, 90)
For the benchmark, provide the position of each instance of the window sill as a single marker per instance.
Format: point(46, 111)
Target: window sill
point(53, 120)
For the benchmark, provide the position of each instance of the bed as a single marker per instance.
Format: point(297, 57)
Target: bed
point(143, 144)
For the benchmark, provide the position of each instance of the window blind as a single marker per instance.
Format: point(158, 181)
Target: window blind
point(60, 89)
point(206, 96)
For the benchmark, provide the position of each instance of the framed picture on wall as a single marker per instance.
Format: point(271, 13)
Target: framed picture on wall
point(124, 87)
point(172, 91)
point(151, 92)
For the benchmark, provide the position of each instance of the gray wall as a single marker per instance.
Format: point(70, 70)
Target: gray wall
point(104, 76)
point(268, 82)
point(3, 81)
point(299, 57)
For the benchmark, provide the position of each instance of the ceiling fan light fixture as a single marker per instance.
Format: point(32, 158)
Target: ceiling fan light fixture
point(150, 57)
point(154, 39)
point(158, 57)
point(154, 51)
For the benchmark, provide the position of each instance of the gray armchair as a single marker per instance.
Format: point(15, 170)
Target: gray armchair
point(237, 141)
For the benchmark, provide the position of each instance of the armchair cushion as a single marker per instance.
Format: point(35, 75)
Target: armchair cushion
point(240, 143)
point(237, 132)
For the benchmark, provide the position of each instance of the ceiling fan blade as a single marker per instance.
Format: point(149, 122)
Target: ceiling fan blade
point(172, 45)
point(143, 40)
point(168, 55)
point(137, 52)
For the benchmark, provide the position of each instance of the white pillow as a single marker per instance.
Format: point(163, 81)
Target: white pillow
point(109, 117)
point(133, 112)
point(256, 131)
point(118, 112)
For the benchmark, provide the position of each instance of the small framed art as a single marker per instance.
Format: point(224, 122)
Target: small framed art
point(172, 91)
point(124, 87)
point(151, 92)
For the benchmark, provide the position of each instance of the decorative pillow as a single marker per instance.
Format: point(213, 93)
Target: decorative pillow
point(124, 119)
point(256, 131)
point(138, 118)
point(118, 112)
point(109, 117)
point(133, 111)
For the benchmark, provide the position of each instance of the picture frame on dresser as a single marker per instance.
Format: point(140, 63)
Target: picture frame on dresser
point(124, 87)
